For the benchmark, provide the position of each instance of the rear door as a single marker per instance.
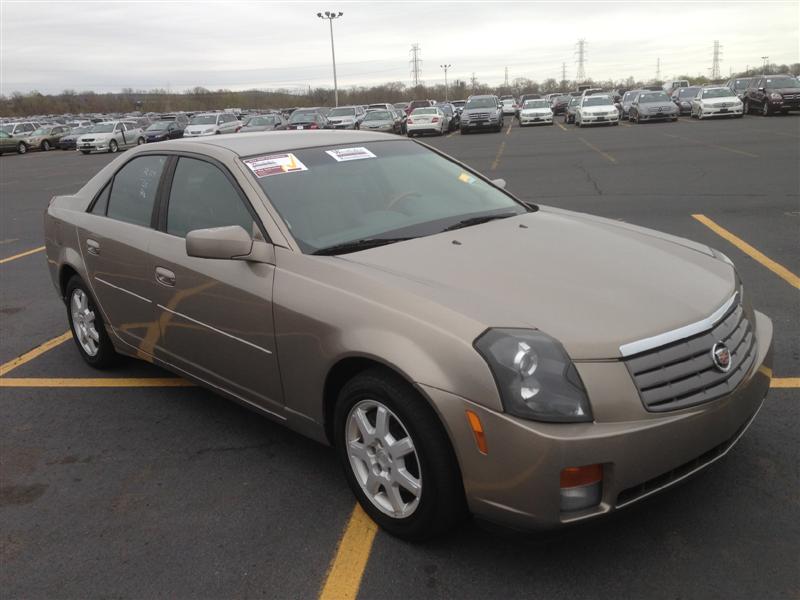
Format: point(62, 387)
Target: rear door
point(114, 244)
point(215, 315)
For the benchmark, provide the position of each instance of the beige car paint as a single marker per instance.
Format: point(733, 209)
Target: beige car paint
point(273, 332)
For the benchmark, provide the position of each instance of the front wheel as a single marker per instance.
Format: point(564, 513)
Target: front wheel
point(397, 457)
point(113, 146)
point(140, 141)
point(46, 146)
point(87, 326)
point(22, 148)
point(746, 109)
point(765, 111)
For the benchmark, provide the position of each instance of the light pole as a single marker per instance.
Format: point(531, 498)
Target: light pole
point(445, 67)
point(330, 16)
point(766, 62)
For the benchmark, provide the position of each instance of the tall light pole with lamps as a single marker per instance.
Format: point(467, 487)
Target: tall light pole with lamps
point(330, 16)
point(445, 67)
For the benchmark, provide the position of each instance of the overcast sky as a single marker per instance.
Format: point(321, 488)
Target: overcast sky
point(106, 46)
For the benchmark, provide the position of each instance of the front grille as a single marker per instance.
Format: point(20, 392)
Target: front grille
point(478, 116)
point(683, 373)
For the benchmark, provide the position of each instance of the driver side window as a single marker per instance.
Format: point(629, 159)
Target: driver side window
point(202, 196)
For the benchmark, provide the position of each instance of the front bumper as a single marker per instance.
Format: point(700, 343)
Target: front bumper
point(727, 111)
point(424, 127)
point(599, 119)
point(96, 146)
point(533, 119)
point(517, 483)
point(662, 116)
point(482, 124)
point(67, 144)
point(348, 125)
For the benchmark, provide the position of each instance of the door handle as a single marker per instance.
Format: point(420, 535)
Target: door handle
point(165, 276)
point(92, 246)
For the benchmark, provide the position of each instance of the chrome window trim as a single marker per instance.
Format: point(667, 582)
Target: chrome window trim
point(668, 337)
point(214, 329)
point(121, 289)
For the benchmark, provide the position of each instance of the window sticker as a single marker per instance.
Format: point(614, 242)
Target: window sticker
point(467, 178)
point(346, 154)
point(275, 164)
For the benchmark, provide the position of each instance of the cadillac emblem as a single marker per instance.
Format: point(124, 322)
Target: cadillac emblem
point(721, 357)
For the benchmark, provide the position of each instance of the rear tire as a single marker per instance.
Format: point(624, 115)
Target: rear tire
point(46, 147)
point(438, 505)
point(88, 329)
point(22, 148)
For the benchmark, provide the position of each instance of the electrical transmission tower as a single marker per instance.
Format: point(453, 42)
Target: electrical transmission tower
point(581, 53)
point(715, 63)
point(658, 69)
point(563, 72)
point(416, 64)
point(473, 80)
point(505, 82)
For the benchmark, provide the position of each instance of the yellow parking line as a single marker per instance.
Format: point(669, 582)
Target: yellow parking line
point(716, 146)
point(20, 255)
point(87, 382)
point(756, 255)
point(600, 152)
point(508, 131)
point(347, 567)
point(562, 127)
point(452, 133)
point(31, 354)
point(499, 154)
point(785, 382)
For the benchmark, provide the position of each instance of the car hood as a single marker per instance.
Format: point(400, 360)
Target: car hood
point(592, 283)
point(654, 106)
point(156, 133)
point(96, 136)
point(604, 108)
point(780, 90)
point(256, 128)
point(471, 111)
point(382, 123)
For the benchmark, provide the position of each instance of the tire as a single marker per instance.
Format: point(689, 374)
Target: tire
point(86, 151)
point(616, 123)
point(674, 119)
point(463, 131)
point(22, 148)
point(765, 111)
point(88, 329)
point(699, 115)
point(113, 146)
point(46, 147)
point(637, 120)
point(439, 505)
point(746, 109)
point(140, 141)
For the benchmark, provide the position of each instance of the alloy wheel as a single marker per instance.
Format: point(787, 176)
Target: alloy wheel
point(83, 322)
point(383, 458)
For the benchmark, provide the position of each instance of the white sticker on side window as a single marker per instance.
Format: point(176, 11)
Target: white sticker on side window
point(345, 154)
point(274, 164)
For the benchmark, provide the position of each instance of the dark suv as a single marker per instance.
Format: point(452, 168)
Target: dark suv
point(481, 112)
point(769, 94)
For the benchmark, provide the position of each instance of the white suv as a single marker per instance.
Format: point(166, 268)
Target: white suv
point(20, 130)
point(111, 136)
point(212, 124)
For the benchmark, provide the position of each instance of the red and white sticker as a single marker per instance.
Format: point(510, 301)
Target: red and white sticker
point(275, 164)
point(345, 154)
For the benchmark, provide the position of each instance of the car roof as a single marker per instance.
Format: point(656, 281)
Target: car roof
point(282, 141)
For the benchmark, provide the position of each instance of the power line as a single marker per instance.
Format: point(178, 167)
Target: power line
point(715, 61)
point(416, 64)
point(581, 52)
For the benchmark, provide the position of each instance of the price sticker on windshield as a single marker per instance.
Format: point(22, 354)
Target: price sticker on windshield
point(347, 154)
point(275, 164)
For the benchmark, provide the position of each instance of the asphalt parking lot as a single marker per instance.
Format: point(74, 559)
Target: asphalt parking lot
point(143, 487)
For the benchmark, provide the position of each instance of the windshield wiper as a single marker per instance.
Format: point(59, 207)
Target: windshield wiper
point(357, 245)
point(478, 220)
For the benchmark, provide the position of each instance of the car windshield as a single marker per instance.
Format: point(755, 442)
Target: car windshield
point(717, 93)
point(688, 92)
point(7, 128)
point(204, 120)
point(536, 104)
point(42, 131)
point(424, 111)
point(654, 97)
point(259, 121)
point(388, 189)
point(782, 82)
point(574, 101)
point(103, 128)
point(597, 101)
point(458, 103)
point(378, 115)
point(342, 112)
point(741, 84)
point(481, 103)
point(302, 116)
point(80, 130)
point(508, 101)
point(159, 126)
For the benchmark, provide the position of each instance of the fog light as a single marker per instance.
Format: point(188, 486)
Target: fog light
point(581, 487)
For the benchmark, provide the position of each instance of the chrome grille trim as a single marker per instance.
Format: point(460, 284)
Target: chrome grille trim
point(662, 339)
point(683, 374)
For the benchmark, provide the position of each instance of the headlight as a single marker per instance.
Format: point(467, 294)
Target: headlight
point(535, 377)
point(775, 96)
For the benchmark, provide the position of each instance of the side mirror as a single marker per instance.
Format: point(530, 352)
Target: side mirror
point(501, 183)
point(761, 89)
point(225, 243)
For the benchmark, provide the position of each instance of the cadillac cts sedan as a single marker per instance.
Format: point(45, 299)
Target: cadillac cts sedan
point(463, 351)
